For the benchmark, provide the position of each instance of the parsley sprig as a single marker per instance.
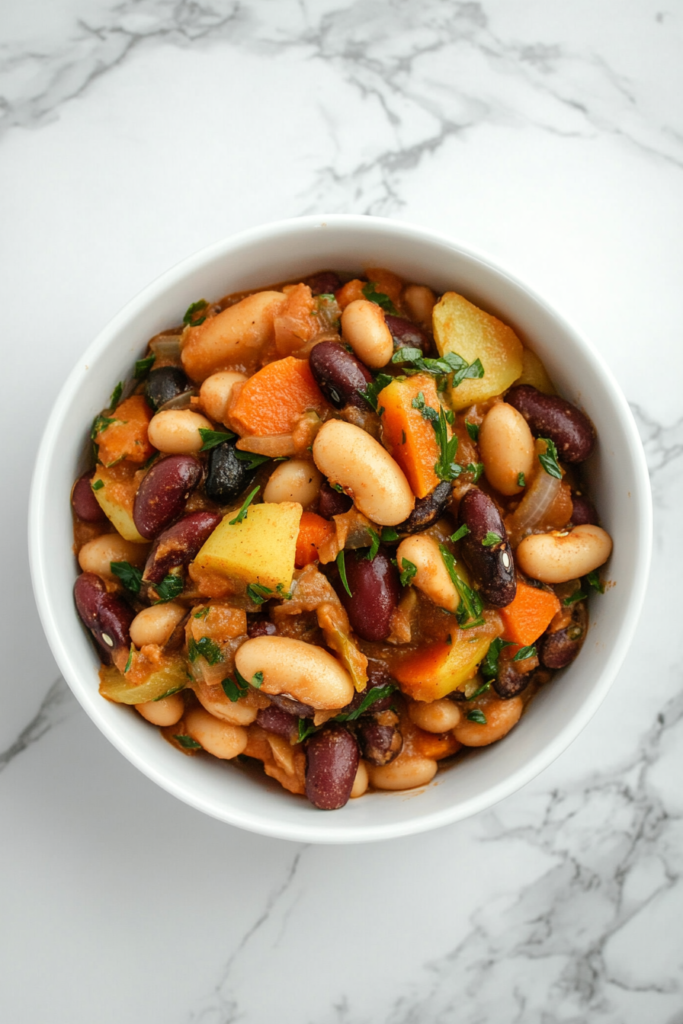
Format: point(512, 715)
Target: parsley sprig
point(211, 438)
point(204, 648)
point(471, 606)
point(196, 307)
point(341, 565)
point(244, 511)
point(549, 459)
point(451, 362)
point(491, 539)
point(525, 652)
point(489, 666)
point(372, 295)
point(143, 366)
point(128, 574)
point(381, 381)
point(170, 587)
point(408, 572)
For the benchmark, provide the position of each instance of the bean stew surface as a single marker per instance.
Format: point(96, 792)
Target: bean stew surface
point(336, 529)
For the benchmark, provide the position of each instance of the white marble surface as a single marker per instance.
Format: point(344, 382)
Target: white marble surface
point(550, 135)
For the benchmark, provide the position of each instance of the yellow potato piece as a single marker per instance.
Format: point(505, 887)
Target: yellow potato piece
point(114, 685)
point(535, 373)
point(260, 549)
point(473, 334)
point(115, 498)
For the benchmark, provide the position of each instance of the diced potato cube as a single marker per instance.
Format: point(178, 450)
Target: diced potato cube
point(260, 549)
point(470, 332)
point(535, 373)
point(116, 497)
point(115, 686)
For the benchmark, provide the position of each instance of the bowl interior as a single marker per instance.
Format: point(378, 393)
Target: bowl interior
point(617, 476)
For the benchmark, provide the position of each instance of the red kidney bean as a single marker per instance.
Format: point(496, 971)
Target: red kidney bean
point(583, 511)
point(107, 616)
point(339, 374)
point(226, 476)
point(556, 418)
point(325, 283)
point(163, 492)
point(260, 627)
point(379, 744)
point(557, 650)
point(331, 764)
point(492, 566)
point(274, 719)
point(510, 681)
point(427, 510)
point(292, 706)
point(179, 544)
point(84, 501)
point(165, 384)
point(332, 502)
point(375, 593)
point(406, 334)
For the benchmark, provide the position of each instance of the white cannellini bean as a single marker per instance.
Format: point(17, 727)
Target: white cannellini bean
point(365, 329)
point(234, 337)
point(420, 302)
point(348, 456)
point(217, 704)
point(215, 392)
point(437, 716)
point(560, 556)
point(154, 625)
point(98, 554)
point(166, 711)
point(432, 576)
point(501, 716)
point(361, 781)
point(297, 669)
point(295, 480)
point(406, 772)
point(176, 431)
point(218, 738)
point(507, 448)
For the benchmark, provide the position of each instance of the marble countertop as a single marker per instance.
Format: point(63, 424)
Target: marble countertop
point(551, 136)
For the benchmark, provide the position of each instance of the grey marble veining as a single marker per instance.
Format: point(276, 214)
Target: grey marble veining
point(135, 132)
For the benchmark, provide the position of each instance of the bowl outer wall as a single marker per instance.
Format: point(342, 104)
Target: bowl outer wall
point(618, 480)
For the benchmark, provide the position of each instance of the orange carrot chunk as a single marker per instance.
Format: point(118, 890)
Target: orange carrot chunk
point(409, 437)
point(126, 437)
point(313, 532)
point(529, 615)
point(351, 291)
point(273, 399)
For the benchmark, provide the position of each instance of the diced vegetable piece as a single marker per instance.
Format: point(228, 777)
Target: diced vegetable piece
point(351, 291)
point(386, 282)
point(434, 671)
point(274, 398)
point(436, 745)
point(465, 329)
point(529, 615)
point(114, 685)
point(313, 531)
point(126, 436)
point(535, 374)
point(409, 437)
point(295, 324)
point(261, 549)
point(116, 497)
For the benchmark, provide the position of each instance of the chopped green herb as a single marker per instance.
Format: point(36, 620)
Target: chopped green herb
point(169, 693)
point(130, 658)
point(472, 430)
point(188, 742)
point(475, 371)
point(241, 681)
point(408, 572)
point(549, 459)
point(98, 485)
point(99, 424)
point(195, 307)
point(205, 648)
point(374, 547)
point(143, 366)
point(210, 438)
point(116, 395)
point(232, 690)
point(525, 652)
point(491, 538)
point(338, 488)
point(578, 595)
point(151, 460)
point(370, 698)
point(407, 354)
point(286, 595)
point(373, 389)
point(471, 606)
point(595, 582)
point(244, 511)
point(446, 468)
point(252, 458)
point(341, 565)
point(169, 588)
point(451, 362)
point(461, 532)
point(257, 680)
point(203, 613)
point(480, 689)
point(476, 716)
point(489, 666)
point(428, 413)
point(476, 469)
point(128, 574)
point(388, 534)
point(305, 730)
point(521, 480)
point(258, 593)
point(372, 295)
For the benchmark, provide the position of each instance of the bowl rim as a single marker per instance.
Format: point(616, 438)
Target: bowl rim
point(325, 831)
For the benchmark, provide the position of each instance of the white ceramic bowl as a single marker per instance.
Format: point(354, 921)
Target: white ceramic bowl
point(618, 481)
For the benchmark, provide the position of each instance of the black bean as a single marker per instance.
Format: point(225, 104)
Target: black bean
point(332, 502)
point(509, 681)
point(557, 650)
point(179, 544)
point(427, 510)
point(583, 511)
point(274, 719)
point(379, 744)
point(339, 374)
point(84, 501)
point(556, 418)
point(227, 476)
point(107, 616)
point(164, 384)
point(331, 764)
point(406, 334)
point(163, 492)
point(375, 593)
point(492, 567)
point(292, 706)
point(325, 283)
point(259, 626)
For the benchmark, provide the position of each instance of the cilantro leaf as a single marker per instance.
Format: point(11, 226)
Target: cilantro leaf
point(578, 595)
point(258, 593)
point(525, 652)
point(521, 480)
point(476, 716)
point(341, 565)
point(489, 666)
point(232, 690)
point(241, 681)
point(461, 532)
point(202, 613)
point(143, 366)
point(244, 511)
point(304, 730)
point(408, 572)
point(257, 680)
point(595, 582)
point(476, 469)
point(373, 695)
point(388, 534)
point(475, 371)
point(491, 539)
point(549, 459)
point(116, 395)
point(99, 424)
point(188, 742)
point(374, 547)
point(195, 307)
point(98, 485)
point(210, 438)
point(471, 606)
point(169, 588)
point(252, 458)
point(446, 468)
point(373, 389)
point(427, 412)
point(128, 574)
point(205, 648)
point(472, 430)
point(407, 355)
point(372, 295)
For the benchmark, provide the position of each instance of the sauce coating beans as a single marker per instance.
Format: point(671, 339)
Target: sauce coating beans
point(257, 572)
